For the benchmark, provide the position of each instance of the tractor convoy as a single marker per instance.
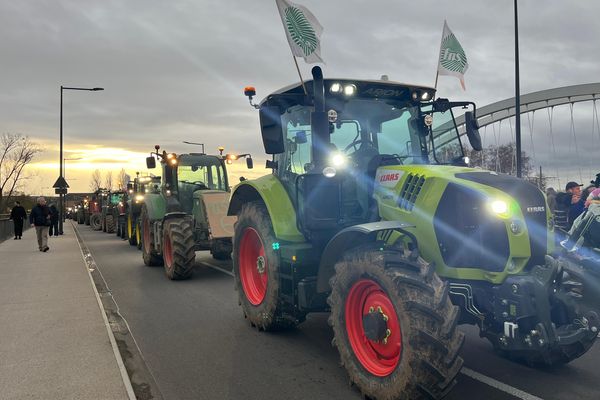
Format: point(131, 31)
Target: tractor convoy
point(372, 214)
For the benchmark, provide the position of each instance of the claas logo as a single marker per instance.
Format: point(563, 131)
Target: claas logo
point(389, 177)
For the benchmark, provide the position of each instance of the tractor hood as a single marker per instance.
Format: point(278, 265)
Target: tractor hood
point(477, 218)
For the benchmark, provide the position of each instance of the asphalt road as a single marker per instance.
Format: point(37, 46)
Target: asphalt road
point(197, 345)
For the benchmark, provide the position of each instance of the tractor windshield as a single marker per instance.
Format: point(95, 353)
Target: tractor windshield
point(201, 173)
point(414, 133)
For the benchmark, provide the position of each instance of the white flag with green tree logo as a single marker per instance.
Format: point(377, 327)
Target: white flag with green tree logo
point(452, 60)
point(302, 29)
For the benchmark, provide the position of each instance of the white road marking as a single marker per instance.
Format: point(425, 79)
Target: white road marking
point(89, 260)
point(213, 266)
point(498, 385)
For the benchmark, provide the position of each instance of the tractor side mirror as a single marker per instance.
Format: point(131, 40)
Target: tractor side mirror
point(249, 163)
point(472, 129)
point(271, 129)
point(150, 162)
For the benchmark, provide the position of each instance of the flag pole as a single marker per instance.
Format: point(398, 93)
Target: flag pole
point(437, 74)
point(299, 74)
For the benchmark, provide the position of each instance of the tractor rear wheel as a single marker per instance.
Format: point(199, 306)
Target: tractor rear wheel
point(394, 325)
point(256, 270)
point(178, 248)
point(109, 223)
point(148, 253)
point(96, 222)
point(131, 231)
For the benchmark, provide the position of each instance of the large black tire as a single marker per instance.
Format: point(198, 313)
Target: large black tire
point(221, 251)
point(259, 297)
point(131, 230)
point(418, 355)
point(96, 222)
point(149, 255)
point(109, 223)
point(80, 218)
point(178, 248)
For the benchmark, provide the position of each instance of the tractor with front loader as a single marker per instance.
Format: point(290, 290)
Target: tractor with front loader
point(136, 192)
point(189, 213)
point(372, 213)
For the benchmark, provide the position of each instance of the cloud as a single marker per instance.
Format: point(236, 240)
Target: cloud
point(174, 71)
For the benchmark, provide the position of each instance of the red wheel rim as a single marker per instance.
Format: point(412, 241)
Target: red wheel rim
point(168, 251)
point(253, 266)
point(378, 357)
point(146, 236)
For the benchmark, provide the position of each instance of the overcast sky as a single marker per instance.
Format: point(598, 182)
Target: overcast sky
point(175, 70)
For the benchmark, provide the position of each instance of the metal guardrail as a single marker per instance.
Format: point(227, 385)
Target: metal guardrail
point(7, 228)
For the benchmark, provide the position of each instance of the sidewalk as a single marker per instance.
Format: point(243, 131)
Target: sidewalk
point(53, 340)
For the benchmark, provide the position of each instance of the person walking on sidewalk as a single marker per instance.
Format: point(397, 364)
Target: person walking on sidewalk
point(40, 219)
point(53, 220)
point(18, 215)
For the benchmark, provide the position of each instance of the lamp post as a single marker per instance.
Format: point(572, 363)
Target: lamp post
point(60, 160)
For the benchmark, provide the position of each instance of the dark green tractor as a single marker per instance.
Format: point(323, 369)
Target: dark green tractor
point(111, 208)
point(136, 192)
point(373, 214)
point(188, 214)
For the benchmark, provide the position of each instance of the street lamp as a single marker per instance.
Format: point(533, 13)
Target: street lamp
point(60, 160)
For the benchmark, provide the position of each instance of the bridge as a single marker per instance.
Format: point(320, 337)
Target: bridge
point(571, 134)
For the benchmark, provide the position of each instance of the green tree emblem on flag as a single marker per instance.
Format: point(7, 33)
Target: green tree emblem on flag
point(301, 31)
point(453, 57)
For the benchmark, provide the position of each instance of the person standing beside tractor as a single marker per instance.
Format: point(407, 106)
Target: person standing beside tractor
point(40, 219)
point(53, 220)
point(18, 214)
point(569, 205)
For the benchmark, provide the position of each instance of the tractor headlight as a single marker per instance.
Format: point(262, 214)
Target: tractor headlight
point(336, 88)
point(338, 160)
point(498, 207)
point(139, 198)
point(349, 90)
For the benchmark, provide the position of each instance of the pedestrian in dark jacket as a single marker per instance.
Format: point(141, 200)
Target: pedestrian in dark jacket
point(53, 220)
point(40, 219)
point(18, 215)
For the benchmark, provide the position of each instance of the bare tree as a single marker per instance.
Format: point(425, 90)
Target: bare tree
point(96, 182)
point(122, 179)
point(16, 151)
point(108, 180)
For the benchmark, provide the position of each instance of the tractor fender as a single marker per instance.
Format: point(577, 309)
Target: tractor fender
point(156, 206)
point(271, 192)
point(349, 238)
point(171, 215)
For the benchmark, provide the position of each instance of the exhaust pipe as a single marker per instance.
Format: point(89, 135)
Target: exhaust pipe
point(319, 122)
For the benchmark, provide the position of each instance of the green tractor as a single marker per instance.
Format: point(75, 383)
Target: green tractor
point(82, 212)
point(371, 213)
point(189, 213)
point(111, 210)
point(136, 191)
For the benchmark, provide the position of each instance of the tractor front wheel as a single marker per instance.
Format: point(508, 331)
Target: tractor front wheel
point(256, 270)
point(178, 248)
point(394, 325)
point(148, 253)
point(96, 222)
point(109, 223)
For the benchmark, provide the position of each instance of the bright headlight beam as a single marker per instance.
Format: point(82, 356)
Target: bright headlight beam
point(338, 160)
point(499, 207)
point(349, 90)
point(335, 88)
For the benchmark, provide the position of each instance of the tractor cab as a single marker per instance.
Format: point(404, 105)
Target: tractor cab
point(329, 144)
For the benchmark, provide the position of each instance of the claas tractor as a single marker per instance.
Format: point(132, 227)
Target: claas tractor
point(136, 191)
point(189, 213)
point(99, 198)
point(371, 213)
